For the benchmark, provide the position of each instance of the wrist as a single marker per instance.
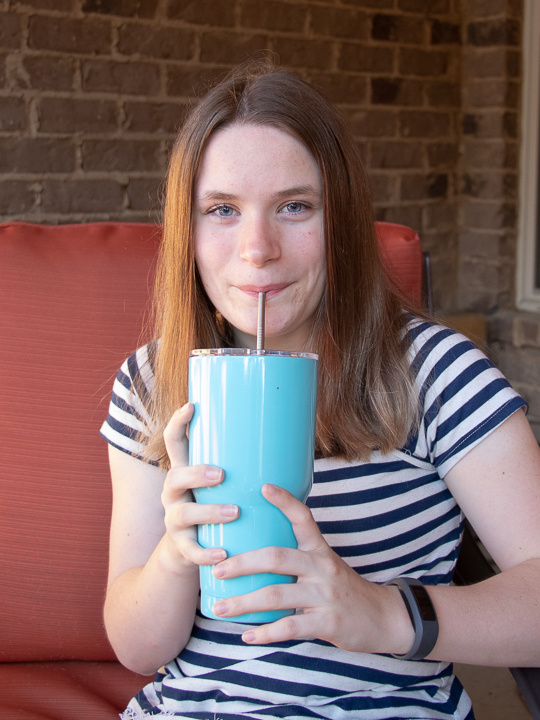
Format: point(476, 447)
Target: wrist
point(400, 632)
point(422, 615)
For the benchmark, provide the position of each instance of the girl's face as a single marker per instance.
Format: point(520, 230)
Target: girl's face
point(259, 227)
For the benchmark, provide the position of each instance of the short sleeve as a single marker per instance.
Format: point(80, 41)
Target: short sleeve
point(129, 420)
point(463, 397)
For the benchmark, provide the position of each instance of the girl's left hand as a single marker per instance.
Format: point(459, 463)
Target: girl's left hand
point(338, 605)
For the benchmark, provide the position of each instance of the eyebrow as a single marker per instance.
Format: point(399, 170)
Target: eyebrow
point(295, 190)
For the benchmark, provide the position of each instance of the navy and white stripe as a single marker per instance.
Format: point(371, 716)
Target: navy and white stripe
point(390, 516)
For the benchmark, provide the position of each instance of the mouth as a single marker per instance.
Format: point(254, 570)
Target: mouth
point(270, 290)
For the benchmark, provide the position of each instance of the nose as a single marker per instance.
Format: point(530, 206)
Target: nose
point(259, 241)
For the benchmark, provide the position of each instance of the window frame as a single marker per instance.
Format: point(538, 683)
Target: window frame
point(528, 243)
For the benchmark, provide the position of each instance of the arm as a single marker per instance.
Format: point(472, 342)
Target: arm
point(496, 622)
point(154, 556)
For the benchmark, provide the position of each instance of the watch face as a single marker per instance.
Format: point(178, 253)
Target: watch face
point(424, 603)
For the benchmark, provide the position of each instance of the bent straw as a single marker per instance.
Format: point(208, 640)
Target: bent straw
point(260, 323)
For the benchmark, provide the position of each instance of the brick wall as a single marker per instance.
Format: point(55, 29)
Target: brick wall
point(92, 92)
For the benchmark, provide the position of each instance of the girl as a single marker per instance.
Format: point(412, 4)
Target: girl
point(266, 192)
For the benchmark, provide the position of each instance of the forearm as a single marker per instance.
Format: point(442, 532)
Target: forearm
point(493, 623)
point(149, 611)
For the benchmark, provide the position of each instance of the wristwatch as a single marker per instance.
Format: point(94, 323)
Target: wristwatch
point(422, 614)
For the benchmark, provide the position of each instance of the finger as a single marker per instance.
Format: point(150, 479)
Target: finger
point(180, 479)
point(282, 596)
point(277, 560)
point(175, 436)
point(194, 553)
point(303, 625)
point(188, 514)
point(306, 530)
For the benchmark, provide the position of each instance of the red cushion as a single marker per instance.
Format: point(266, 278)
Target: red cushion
point(71, 307)
point(67, 690)
point(402, 251)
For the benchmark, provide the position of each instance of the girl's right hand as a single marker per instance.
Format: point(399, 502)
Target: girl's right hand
point(182, 514)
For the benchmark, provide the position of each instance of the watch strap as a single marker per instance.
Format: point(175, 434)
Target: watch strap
point(422, 614)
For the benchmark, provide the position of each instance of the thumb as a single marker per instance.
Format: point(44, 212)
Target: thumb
point(175, 436)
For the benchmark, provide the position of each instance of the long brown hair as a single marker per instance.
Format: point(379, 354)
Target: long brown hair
point(365, 396)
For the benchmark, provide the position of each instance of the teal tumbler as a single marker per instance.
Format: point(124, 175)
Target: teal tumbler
point(254, 417)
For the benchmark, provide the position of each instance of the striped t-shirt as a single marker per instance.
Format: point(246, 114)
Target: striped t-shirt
point(392, 515)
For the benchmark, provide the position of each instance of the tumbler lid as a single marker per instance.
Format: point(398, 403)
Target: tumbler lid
point(251, 351)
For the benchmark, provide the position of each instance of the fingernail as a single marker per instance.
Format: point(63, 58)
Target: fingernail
point(184, 407)
point(229, 510)
point(214, 473)
point(270, 489)
point(248, 636)
point(219, 571)
point(218, 555)
point(220, 608)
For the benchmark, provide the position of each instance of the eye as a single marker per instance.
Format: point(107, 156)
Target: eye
point(294, 207)
point(224, 211)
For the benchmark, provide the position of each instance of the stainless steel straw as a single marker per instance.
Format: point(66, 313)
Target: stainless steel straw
point(260, 323)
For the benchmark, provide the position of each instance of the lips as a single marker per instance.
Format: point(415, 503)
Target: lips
point(270, 290)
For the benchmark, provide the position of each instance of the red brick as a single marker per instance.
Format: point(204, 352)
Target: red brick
point(124, 8)
point(121, 155)
point(15, 197)
point(397, 28)
point(445, 33)
point(424, 187)
point(396, 91)
point(488, 154)
point(409, 215)
point(62, 5)
point(372, 123)
point(441, 93)
point(70, 34)
point(271, 16)
point(81, 196)
point(396, 154)
point(427, 63)
point(490, 93)
point(12, 114)
point(203, 12)
point(340, 88)
point(298, 53)
point(442, 154)
point(424, 124)
point(48, 73)
point(489, 215)
point(192, 81)
point(489, 185)
point(66, 115)
point(494, 32)
point(485, 8)
point(373, 4)
point(339, 23)
point(366, 58)
point(496, 124)
point(160, 42)
point(162, 118)
point(124, 78)
point(36, 155)
point(10, 31)
point(382, 187)
point(229, 48)
point(440, 215)
point(145, 194)
point(425, 6)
